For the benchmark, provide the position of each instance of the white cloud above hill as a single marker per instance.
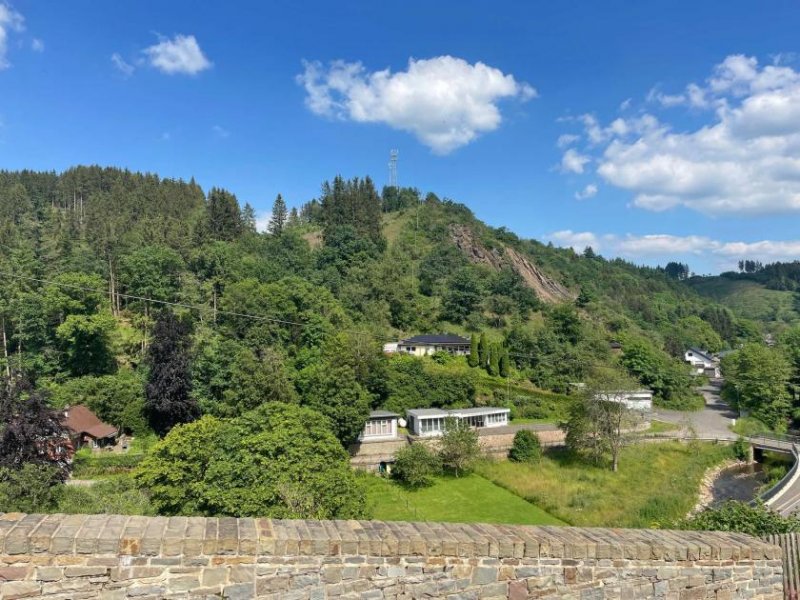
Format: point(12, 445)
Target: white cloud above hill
point(643, 248)
point(445, 102)
point(744, 161)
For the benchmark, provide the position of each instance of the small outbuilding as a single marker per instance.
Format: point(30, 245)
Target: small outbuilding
point(638, 400)
point(381, 425)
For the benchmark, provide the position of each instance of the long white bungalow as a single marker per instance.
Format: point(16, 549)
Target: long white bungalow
point(429, 422)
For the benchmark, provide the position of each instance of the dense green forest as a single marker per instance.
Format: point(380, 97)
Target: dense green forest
point(157, 304)
point(93, 257)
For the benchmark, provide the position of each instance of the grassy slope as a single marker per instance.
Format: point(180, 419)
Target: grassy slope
point(656, 484)
point(748, 298)
point(468, 499)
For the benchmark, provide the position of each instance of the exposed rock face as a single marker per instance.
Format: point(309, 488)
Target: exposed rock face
point(546, 289)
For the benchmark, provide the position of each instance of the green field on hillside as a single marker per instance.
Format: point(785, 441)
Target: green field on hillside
point(470, 499)
point(748, 298)
point(656, 484)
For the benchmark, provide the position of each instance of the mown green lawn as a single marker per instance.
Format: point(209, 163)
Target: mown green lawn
point(657, 484)
point(469, 499)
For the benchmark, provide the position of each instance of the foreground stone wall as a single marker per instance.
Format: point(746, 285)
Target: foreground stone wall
point(116, 557)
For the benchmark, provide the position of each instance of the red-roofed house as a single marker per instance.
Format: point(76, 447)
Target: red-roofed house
point(86, 428)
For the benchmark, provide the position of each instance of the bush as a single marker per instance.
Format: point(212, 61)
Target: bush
point(116, 496)
point(741, 449)
point(88, 465)
point(526, 447)
point(741, 517)
point(32, 488)
point(415, 466)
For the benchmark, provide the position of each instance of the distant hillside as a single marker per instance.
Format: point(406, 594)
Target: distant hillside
point(750, 298)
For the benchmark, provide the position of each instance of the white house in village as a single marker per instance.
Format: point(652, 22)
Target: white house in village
point(702, 362)
point(429, 422)
point(422, 345)
point(381, 425)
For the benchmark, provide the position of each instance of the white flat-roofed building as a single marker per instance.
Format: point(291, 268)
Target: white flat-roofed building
point(638, 400)
point(429, 422)
point(381, 425)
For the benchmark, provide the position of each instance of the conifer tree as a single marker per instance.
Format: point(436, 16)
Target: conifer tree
point(504, 363)
point(277, 222)
point(473, 357)
point(483, 351)
point(168, 400)
point(493, 367)
point(294, 218)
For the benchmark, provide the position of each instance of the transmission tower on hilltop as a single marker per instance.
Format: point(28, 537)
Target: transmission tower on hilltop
point(393, 168)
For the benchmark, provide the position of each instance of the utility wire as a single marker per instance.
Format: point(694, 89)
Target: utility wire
point(263, 318)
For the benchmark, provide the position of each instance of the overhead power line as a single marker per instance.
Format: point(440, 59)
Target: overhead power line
point(263, 318)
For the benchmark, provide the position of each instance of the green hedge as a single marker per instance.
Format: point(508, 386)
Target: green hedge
point(89, 466)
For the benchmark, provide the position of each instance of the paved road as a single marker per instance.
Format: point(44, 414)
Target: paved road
point(713, 421)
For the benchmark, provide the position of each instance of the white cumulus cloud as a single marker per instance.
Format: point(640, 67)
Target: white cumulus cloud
point(10, 21)
point(666, 247)
point(573, 161)
point(181, 54)
point(445, 102)
point(590, 191)
point(745, 160)
point(37, 45)
point(578, 240)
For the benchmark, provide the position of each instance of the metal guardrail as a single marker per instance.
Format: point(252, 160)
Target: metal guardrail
point(776, 491)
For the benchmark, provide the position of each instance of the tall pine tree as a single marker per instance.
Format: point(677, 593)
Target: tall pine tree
point(168, 400)
point(277, 222)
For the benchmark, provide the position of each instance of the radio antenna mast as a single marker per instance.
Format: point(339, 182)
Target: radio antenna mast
point(393, 168)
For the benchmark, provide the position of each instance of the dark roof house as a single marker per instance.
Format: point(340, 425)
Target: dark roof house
point(421, 345)
point(87, 428)
point(436, 339)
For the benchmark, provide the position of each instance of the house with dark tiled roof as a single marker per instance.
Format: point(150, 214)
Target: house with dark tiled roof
point(422, 345)
point(86, 428)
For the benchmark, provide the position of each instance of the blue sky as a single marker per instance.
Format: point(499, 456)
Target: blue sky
point(652, 130)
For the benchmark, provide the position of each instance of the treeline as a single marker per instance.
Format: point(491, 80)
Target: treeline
point(775, 276)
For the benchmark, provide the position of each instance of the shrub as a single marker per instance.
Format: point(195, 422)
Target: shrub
point(32, 488)
point(415, 466)
point(741, 449)
point(741, 517)
point(526, 447)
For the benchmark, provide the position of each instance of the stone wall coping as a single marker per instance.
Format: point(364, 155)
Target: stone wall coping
point(26, 534)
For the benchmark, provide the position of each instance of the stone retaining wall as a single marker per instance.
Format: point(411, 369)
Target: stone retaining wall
point(141, 558)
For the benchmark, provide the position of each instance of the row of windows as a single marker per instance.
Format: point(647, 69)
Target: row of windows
point(375, 427)
point(437, 424)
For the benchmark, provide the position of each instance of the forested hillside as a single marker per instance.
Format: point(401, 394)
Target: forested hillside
point(103, 269)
